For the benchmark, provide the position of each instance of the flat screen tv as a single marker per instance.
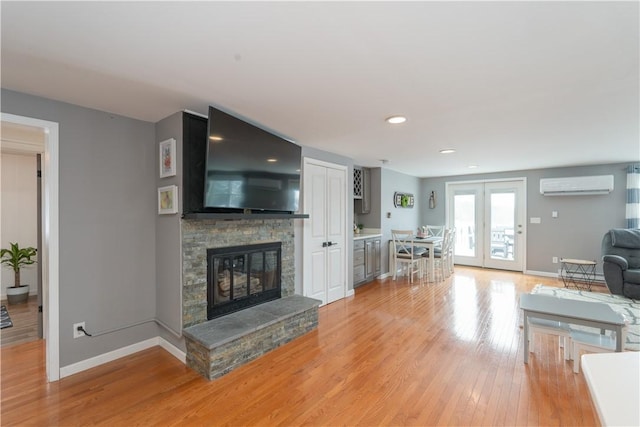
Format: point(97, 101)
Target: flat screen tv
point(249, 168)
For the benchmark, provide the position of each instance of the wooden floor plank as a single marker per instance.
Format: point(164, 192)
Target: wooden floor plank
point(24, 317)
point(447, 353)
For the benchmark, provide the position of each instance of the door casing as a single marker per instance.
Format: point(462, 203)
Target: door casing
point(482, 242)
point(325, 200)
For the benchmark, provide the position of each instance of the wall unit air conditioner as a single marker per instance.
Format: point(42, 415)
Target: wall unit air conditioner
point(576, 186)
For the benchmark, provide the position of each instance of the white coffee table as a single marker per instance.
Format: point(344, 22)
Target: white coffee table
point(594, 314)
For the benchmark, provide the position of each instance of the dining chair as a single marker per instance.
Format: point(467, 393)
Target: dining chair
point(452, 249)
point(442, 256)
point(405, 254)
point(445, 257)
point(435, 231)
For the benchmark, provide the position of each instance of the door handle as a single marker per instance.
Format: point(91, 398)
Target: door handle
point(331, 243)
point(325, 244)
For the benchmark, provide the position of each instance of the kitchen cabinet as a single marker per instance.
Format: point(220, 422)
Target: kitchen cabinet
point(372, 258)
point(362, 190)
point(366, 260)
point(358, 262)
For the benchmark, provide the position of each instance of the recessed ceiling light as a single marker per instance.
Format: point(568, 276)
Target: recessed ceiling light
point(215, 138)
point(472, 166)
point(272, 160)
point(396, 119)
point(447, 151)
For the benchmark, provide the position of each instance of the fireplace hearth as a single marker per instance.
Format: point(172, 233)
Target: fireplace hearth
point(243, 276)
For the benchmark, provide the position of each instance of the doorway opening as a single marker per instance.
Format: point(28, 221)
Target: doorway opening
point(48, 258)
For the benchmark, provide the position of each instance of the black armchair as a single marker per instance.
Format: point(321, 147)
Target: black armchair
point(621, 261)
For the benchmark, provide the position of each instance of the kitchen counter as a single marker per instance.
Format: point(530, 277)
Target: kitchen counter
point(365, 236)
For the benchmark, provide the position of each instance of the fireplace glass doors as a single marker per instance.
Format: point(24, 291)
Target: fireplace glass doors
point(242, 276)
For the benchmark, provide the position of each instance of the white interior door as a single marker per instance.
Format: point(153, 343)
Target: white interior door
point(489, 219)
point(336, 234)
point(325, 231)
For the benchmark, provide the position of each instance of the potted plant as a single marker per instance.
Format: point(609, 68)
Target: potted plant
point(15, 258)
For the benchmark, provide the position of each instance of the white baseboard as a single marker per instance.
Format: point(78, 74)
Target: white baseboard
point(599, 278)
point(92, 362)
point(173, 350)
point(540, 273)
point(350, 293)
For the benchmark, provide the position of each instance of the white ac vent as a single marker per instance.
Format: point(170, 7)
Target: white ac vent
point(577, 185)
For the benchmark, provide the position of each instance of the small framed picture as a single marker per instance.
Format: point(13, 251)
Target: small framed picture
point(168, 200)
point(168, 158)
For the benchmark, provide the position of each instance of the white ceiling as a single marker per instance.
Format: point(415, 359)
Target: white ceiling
point(510, 85)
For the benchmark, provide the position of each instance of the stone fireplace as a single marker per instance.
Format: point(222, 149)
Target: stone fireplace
point(250, 261)
point(199, 236)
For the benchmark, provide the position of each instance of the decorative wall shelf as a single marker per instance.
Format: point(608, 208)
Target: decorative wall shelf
point(403, 200)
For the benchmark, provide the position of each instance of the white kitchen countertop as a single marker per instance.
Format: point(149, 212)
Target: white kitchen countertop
point(366, 236)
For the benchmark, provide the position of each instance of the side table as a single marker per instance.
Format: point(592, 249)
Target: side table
point(578, 272)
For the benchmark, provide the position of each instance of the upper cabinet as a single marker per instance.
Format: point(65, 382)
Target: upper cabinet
point(362, 190)
point(357, 183)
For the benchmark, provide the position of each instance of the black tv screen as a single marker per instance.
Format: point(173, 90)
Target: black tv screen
point(249, 168)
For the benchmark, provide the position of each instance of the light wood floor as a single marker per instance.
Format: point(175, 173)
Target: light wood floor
point(25, 322)
point(395, 354)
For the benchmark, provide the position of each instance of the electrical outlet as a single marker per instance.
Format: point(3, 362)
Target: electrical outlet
point(554, 260)
point(76, 332)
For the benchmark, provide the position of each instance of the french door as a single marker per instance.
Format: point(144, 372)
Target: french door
point(489, 219)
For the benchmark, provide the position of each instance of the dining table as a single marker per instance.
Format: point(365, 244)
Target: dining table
point(426, 242)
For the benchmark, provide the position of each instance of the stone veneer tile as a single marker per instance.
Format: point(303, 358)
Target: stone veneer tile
point(218, 346)
point(199, 235)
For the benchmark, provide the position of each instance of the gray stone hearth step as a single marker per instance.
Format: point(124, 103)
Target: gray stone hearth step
point(218, 346)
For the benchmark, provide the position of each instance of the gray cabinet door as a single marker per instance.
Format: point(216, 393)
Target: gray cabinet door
point(369, 256)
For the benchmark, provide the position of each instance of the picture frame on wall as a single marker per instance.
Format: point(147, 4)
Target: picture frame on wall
point(168, 158)
point(168, 200)
point(403, 200)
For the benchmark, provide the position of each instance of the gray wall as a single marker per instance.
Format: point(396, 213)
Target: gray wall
point(168, 255)
point(401, 218)
point(107, 198)
point(581, 222)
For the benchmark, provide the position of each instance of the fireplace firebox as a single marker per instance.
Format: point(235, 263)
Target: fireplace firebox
point(242, 276)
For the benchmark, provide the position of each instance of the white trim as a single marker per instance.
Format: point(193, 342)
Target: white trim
point(101, 359)
point(50, 234)
point(350, 293)
point(173, 350)
point(204, 116)
point(541, 273)
point(306, 250)
point(523, 181)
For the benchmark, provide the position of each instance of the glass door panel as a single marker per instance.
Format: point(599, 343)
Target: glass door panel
point(488, 218)
point(502, 225)
point(505, 217)
point(465, 224)
point(464, 215)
